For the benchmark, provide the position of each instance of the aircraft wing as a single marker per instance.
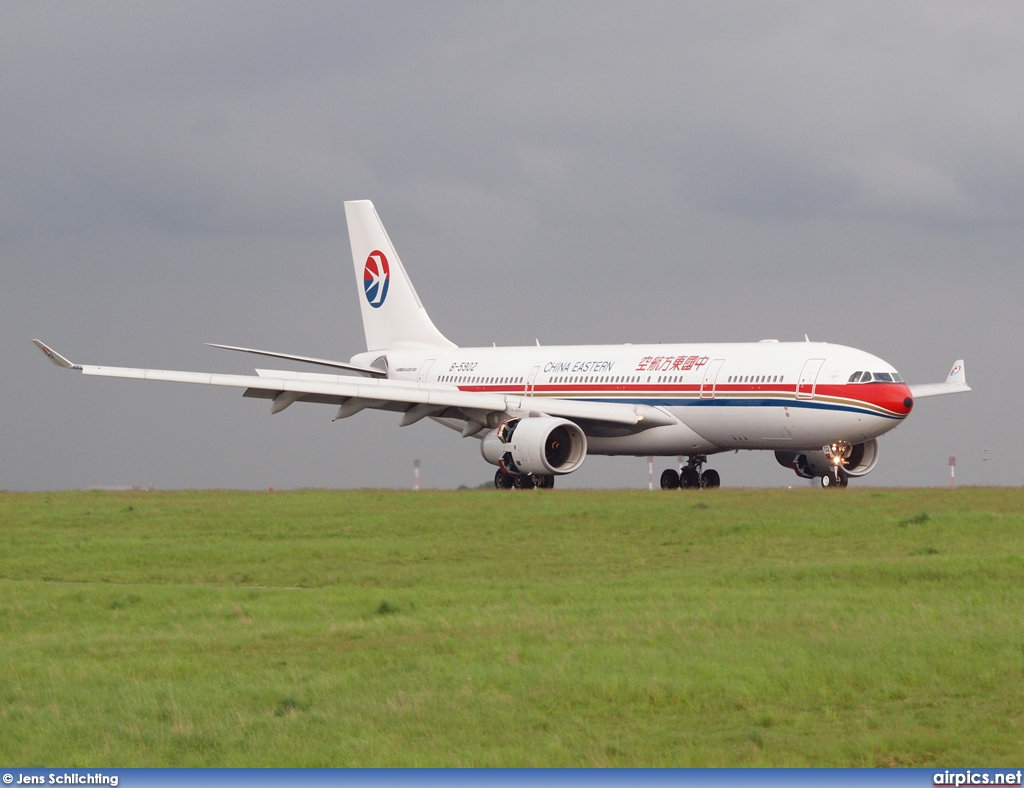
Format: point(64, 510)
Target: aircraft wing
point(956, 382)
point(414, 400)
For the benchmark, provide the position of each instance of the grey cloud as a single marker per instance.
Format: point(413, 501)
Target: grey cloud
point(173, 173)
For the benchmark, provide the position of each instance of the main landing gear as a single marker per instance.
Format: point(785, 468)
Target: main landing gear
point(691, 476)
point(520, 481)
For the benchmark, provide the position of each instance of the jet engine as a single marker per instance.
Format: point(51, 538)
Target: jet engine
point(538, 445)
point(862, 459)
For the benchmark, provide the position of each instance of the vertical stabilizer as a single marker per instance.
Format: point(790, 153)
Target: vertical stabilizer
point(393, 317)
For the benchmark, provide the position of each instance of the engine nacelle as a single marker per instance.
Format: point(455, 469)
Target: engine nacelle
point(862, 460)
point(537, 445)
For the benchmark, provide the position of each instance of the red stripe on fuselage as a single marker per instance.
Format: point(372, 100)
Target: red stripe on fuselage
point(893, 397)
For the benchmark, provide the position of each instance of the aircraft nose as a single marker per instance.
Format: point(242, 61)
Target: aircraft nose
point(908, 399)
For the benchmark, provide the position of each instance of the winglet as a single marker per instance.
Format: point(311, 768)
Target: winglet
point(54, 356)
point(956, 374)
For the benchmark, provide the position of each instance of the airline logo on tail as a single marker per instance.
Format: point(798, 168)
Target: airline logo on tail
point(376, 278)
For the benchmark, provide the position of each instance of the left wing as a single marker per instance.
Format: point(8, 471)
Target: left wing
point(415, 400)
point(956, 382)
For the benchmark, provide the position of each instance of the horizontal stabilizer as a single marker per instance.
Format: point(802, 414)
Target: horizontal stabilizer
point(373, 372)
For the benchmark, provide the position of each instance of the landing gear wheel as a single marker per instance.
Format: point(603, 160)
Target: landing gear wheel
point(522, 482)
point(543, 482)
point(669, 479)
point(835, 479)
point(689, 478)
point(710, 479)
point(502, 481)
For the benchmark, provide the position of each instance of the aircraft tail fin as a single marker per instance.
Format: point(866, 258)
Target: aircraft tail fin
point(393, 316)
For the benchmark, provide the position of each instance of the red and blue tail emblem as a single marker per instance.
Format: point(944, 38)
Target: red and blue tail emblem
point(376, 278)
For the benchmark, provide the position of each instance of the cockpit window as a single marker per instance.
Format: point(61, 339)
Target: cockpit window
point(878, 377)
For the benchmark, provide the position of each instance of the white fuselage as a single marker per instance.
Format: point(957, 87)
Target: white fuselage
point(765, 395)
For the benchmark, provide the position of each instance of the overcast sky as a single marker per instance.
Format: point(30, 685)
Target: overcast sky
point(173, 174)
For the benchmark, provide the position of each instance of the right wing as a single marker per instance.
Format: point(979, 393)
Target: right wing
point(414, 400)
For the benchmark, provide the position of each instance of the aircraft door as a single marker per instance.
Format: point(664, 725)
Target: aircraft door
point(808, 378)
point(421, 376)
point(531, 381)
point(707, 386)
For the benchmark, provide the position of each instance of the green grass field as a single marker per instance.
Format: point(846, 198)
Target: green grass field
point(546, 628)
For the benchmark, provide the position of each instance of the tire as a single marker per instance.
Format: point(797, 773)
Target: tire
point(502, 481)
point(669, 479)
point(688, 478)
point(522, 482)
point(710, 479)
point(826, 481)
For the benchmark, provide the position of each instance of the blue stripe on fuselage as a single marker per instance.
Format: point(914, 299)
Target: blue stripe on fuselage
point(745, 403)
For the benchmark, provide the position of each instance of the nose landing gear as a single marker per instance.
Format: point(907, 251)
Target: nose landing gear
point(835, 478)
point(837, 455)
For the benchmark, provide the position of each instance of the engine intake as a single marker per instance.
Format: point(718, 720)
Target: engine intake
point(536, 445)
point(862, 460)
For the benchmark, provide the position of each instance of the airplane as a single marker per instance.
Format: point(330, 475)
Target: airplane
point(539, 411)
